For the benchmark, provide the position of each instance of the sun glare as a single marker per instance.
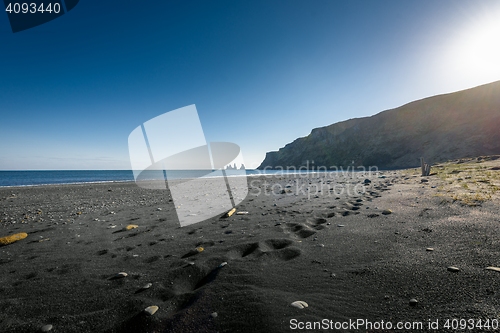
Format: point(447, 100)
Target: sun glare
point(475, 50)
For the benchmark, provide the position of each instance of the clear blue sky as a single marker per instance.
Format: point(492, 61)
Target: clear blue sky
point(261, 73)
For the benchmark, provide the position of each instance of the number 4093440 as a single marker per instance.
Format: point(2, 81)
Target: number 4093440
point(32, 8)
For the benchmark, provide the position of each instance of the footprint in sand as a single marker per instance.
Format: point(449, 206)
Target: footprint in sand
point(318, 222)
point(301, 230)
point(278, 248)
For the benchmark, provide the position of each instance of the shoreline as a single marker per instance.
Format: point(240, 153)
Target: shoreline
point(269, 175)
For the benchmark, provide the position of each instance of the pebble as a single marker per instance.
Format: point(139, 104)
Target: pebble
point(453, 269)
point(491, 268)
point(12, 238)
point(46, 328)
point(146, 286)
point(223, 264)
point(131, 226)
point(413, 302)
point(159, 209)
point(120, 275)
point(299, 304)
point(386, 211)
point(340, 225)
point(214, 314)
point(429, 249)
point(151, 310)
point(242, 213)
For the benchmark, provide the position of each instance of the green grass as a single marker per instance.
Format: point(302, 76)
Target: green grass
point(470, 183)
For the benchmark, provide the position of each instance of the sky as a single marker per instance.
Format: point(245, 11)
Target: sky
point(261, 73)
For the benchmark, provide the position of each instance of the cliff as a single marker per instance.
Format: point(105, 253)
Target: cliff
point(439, 128)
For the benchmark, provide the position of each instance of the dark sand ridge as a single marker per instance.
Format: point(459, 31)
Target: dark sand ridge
point(337, 252)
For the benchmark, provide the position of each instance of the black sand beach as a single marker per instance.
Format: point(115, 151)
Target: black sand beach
point(351, 257)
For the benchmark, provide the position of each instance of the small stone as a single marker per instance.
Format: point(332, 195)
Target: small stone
point(214, 314)
point(151, 310)
point(429, 249)
point(199, 249)
point(340, 225)
point(413, 302)
point(146, 286)
point(423, 180)
point(12, 238)
point(46, 328)
point(386, 212)
point(453, 269)
point(131, 226)
point(241, 213)
point(223, 264)
point(120, 275)
point(491, 268)
point(159, 209)
point(367, 181)
point(299, 304)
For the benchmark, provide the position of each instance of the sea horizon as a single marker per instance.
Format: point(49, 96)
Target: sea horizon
point(16, 178)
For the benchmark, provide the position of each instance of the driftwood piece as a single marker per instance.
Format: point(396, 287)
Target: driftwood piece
point(426, 168)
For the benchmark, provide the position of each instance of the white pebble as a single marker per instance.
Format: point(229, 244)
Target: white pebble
point(151, 310)
point(491, 268)
point(300, 304)
point(120, 275)
point(46, 328)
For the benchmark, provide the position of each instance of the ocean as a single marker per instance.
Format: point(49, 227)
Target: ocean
point(48, 177)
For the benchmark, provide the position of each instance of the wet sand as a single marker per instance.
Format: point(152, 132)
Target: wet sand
point(350, 256)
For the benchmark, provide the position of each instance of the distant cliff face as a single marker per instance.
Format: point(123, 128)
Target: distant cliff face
point(439, 128)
